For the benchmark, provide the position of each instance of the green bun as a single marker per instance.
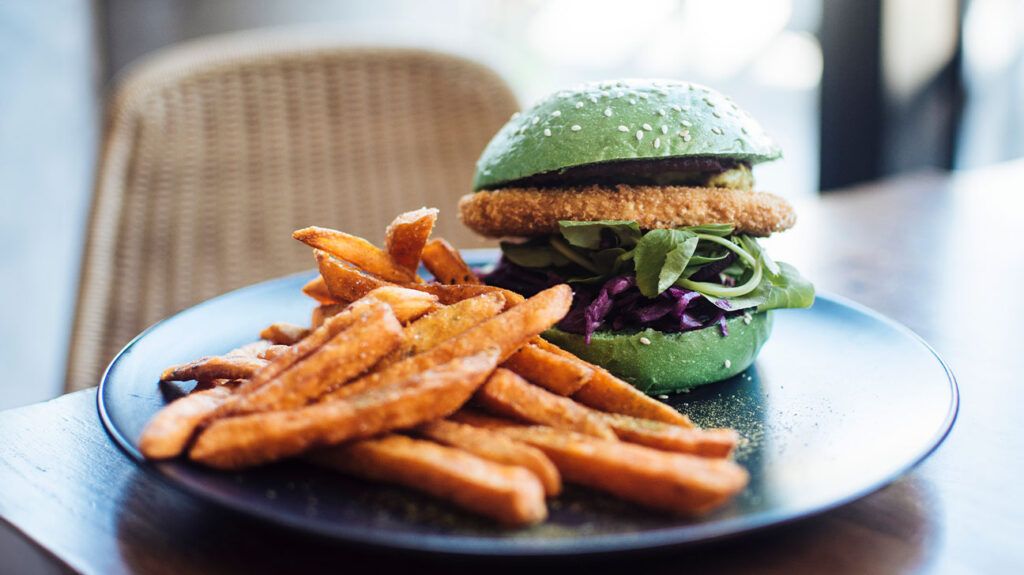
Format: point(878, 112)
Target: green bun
point(584, 126)
point(672, 362)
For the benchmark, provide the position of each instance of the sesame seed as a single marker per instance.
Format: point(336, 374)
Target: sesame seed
point(576, 128)
point(593, 99)
point(535, 120)
point(556, 114)
point(579, 105)
point(744, 130)
point(686, 135)
point(643, 96)
point(608, 112)
point(639, 135)
point(657, 143)
point(661, 112)
point(677, 108)
point(663, 396)
point(623, 129)
point(632, 102)
point(717, 130)
point(515, 115)
point(709, 103)
point(728, 364)
point(664, 129)
point(547, 131)
point(645, 341)
point(686, 123)
point(716, 114)
point(647, 127)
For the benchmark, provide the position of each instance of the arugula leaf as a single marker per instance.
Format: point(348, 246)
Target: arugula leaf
point(720, 230)
point(788, 290)
point(751, 245)
point(660, 258)
point(588, 234)
point(533, 255)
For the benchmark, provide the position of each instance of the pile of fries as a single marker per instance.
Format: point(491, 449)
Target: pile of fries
point(443, 387)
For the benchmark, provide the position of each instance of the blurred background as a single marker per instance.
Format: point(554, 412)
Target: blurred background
point(853, 91)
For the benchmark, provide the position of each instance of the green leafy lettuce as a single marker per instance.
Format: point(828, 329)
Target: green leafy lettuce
point(593, 252)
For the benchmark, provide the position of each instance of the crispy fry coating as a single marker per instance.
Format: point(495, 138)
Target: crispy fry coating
point(248, 440)
point(496, 447)
point(526, 212)
point(272, 352)
point(346, 282)
point(170, 430)
point(356, 251)
point(283, 333)
point(507, 331)
point(407, 234)
point(549, 370)
point(608, 393)
point(669, 437)
point(447, 265)
point(215, 367)
point(677, 482)
point(449, 294)
point(316, 288)
point(510, 495)
point(507, 394)
point(447, 322)
point(372, 334)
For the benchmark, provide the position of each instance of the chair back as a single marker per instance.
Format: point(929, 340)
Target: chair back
point(214, 151)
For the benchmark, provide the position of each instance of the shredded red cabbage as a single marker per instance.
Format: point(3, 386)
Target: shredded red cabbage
point(617, 304)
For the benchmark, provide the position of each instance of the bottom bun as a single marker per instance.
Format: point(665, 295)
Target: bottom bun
point(672, 362)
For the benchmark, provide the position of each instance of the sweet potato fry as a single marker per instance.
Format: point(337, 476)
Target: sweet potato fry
point(510, 495)
point(447, 322)
point(316, 288)
point(508, 394)
point(608, 393)
point(324, 311)
point(449, 294)
point(318, 337)
point(507, 331)
point(551, 371)
point(215, 367)
point(247, 440)
point(272, 352)
point(408, 304)
point(411, 307)
point(407, 234)
point(677, 482)
point(167, 434)
point(283, 333)
point(447, 265)
point(496, 447)
point(355, 250)
point(344, 281)
point(669, 437)
point(374, 333)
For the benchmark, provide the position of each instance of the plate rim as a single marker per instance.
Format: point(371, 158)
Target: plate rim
point(459, 545)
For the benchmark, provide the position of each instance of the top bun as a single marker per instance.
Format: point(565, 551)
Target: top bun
point(622, 120)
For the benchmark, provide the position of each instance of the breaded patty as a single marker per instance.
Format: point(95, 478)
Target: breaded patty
point(526, 212)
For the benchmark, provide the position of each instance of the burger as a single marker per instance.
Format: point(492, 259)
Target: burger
point(640, 195)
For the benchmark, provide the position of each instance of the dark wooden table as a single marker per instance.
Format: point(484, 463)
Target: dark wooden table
point(943, 254)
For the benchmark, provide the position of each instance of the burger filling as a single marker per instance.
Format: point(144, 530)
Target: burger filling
point(671, 280)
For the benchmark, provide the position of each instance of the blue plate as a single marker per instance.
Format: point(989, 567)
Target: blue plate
point(841, 402)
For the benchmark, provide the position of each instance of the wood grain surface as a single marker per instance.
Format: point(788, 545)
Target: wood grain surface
point(938, 253)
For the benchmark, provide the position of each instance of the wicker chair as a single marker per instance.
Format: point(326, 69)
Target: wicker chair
point(216, 150)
